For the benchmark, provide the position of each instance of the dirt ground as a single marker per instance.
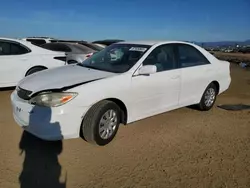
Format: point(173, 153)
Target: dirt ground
point(247, 55)
point(182, 148)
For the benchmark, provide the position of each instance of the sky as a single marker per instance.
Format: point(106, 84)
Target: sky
point(193, 20)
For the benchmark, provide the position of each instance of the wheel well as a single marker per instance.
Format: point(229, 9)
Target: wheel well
point(124, 112)
point(217, 85)
point(71, 61)
point(40, 66)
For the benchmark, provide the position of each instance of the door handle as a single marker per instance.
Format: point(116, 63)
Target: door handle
point(175, 77)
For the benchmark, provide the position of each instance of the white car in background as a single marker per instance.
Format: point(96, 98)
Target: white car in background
point(74, 52)
point(20, 58)
point(91, 99)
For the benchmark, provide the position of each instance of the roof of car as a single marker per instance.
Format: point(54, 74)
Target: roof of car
point(151, 43)
point(24, 42)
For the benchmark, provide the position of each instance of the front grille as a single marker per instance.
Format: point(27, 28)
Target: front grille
point(23, 93)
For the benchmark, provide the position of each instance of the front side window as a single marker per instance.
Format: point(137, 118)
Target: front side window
point(117, 58)
point(7, 48)
point(163, 57)
point(189, 56)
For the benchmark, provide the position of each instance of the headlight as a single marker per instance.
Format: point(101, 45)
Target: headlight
point(52, 99)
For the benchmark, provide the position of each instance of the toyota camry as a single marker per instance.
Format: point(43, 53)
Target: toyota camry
point(124, 83)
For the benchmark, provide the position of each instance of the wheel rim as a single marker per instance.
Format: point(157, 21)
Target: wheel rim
point(209, 97)
point(108, 124)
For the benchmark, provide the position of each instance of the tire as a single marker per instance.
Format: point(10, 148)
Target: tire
point(204, 105)
point(34, 69)
point(91, 130)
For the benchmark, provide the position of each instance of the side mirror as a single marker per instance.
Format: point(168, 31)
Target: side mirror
point(147, 69)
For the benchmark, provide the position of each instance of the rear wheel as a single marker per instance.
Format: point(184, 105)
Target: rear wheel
point(34, 69)
point(208, 98)
point(101, 123)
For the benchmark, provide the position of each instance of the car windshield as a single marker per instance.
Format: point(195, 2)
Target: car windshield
point(116, 58)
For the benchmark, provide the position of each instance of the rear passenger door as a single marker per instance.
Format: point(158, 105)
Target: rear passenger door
point(195, 73)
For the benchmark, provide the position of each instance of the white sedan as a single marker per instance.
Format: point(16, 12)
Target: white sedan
point(20, 58)
point(93, 98)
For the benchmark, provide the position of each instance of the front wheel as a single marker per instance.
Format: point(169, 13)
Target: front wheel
point(208, 98)
point(101, 123)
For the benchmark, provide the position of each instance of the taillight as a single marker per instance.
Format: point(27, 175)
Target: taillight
point(62, 58)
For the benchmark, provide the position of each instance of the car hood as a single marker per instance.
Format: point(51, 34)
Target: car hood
point(61, 77)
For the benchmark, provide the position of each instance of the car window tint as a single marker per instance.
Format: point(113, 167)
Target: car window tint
point(162, 57)
point(17, 49)
point(189, 56)
point(36, 41)
point(7, 48)
point(4, 48)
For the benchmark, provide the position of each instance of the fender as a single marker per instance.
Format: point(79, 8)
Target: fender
point(61, 89)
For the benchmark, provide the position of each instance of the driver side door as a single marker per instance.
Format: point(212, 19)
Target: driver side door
point(158, 92)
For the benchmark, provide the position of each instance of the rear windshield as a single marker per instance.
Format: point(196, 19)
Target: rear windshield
point(37, 42)
point(56, 47)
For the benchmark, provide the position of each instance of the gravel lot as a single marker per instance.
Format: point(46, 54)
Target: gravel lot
point(182, 148)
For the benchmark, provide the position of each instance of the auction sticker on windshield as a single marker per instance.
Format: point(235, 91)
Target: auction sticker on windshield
point(139, 49)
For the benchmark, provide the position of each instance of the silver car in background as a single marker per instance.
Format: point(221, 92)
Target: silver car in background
point(75, 53)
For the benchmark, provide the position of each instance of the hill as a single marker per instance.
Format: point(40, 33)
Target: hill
point(224, 43)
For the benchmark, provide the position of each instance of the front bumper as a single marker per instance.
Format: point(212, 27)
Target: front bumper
point(54, 123)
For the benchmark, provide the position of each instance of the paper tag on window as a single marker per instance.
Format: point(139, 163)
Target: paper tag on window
point(139, 49)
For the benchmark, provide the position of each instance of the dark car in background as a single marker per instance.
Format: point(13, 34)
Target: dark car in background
point(82, 42)
point(107, 42)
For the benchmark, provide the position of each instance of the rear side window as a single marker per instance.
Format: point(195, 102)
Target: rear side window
point(56, 47)
point(7, 48)
point(189, 56)
point(37, 42)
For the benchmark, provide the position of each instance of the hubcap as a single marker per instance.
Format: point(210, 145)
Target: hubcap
point(209, 97)
point(107, 124)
